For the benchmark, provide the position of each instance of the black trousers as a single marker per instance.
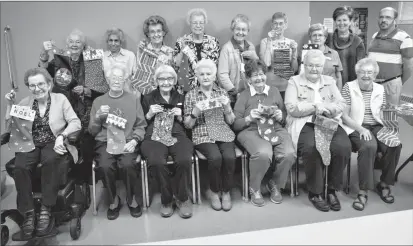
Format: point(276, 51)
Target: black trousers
point(123, 166)
point(367, 155)
point(340, 149)
point(157, 153)
point(53, 166)
point(221, 164)
point(83, 171)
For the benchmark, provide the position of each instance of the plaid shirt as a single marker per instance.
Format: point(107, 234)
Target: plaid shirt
point(200, 131)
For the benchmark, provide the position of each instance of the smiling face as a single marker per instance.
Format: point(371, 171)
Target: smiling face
point(165, 81)
point(116, 80)
point(240, 31)
point(38, 86)
point(205, 76)
point(156, 34)
point(317, 37)
point(366, 75)
point(313, 68)
point(75, 44)
point(114, 43)
point(197, 24)
point(279, 25)
point(258, 80)
point(386, 20)
point(343, 23)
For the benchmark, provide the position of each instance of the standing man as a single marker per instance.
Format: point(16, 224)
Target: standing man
point(392, 48)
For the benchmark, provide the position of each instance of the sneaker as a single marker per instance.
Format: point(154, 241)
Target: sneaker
point(184, 209)
point(226, 201)
point(275, 196)
point(215, 202)
point(256, 198)
point(167, 210)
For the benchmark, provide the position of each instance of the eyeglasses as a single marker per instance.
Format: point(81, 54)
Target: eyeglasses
point(198, 23)
point(163, 80)
point(365, 72)
point(314, 66)
point(153, 33)
point(280, 24)
point(256, 75)
point(40, 85)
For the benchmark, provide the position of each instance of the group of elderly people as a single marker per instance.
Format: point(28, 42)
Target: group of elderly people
point(239, 101)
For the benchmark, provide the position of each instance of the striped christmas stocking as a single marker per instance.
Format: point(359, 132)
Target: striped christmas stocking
point(390, 131)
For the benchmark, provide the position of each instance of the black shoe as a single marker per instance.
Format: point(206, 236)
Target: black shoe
point(333, 202)
point(45, 222)
point(135, 212)
point(113, 214)
point(319, 203)
point(28, 225)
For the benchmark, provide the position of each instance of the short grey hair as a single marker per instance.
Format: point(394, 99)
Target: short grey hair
point(367, 61)
point(317, 27)
point(37, 71)
point(196, 12)
point(165, 69)
point(78, 33)
point(206, 63)
point(115, 31)
point(120, 67)
point(314, 54)
point(240, 18)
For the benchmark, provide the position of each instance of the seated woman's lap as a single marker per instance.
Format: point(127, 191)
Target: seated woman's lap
point(255, 144)
point(218, 151)
point(108, 161)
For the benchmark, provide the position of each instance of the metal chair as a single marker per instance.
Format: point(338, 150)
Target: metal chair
point(145, 181)
point(94, 181)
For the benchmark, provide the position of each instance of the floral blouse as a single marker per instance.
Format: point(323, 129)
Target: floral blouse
point(41, 130)
point(209, 50)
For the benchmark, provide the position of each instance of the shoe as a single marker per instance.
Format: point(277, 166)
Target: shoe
point(45, 222)
point(113, 214)
point(256, 198)
point(226, 201)
point(167, 210)
point(28, 225)
point(276, 196)
point(184, 209)
point(389, 198)
point(319, 203)
point(136, 212)
point(215, 201)
point(333, 201)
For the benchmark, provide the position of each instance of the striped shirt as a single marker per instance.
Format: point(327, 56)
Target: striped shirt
point(368, 114)
point(389, 52)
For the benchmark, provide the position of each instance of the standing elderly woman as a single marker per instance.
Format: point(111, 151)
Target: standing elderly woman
point(118, 124)
point(279, 53)
point(80, 96)
point(115, 39)
point(197, 45)
point(234, 54)
point(40, 139)
point(348, 45)
point(318, 34)
point(308, 95)
point(252, 137)
point(208, 113)
point(363, 122)
point(166, 136)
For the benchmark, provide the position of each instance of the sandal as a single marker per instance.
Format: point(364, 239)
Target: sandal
point(358, 204)
point(387, 199)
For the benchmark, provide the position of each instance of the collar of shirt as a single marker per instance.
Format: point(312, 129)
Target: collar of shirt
point(388, 36)
point(254, 92)
point(109, 54)
point(214, 88)
point(158, 97)
point(327, 49)
point(237, 46)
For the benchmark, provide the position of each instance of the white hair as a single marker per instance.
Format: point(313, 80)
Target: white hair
point(314, 54)
point(367, 61)
point(208, 63)
point(196, 12)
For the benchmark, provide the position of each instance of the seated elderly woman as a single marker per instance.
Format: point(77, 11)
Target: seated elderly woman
point(166, 136)
point(40, 138)
point(314, 106)
point(234, 54)
point(115, 39)
point(117, 122)
point(196, 46)
point(155, 29)
point(364, 124)
point(318, 33)
point(208, 113)
point(69, 74)
point(260, 117)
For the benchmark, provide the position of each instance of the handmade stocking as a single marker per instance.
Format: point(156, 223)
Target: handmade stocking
point(390, 131)
point(94, 74)
point(324, 129)
point(218, 129)
point(162, 130)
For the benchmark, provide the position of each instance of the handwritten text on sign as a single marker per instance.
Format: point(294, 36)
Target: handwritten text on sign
point(23, 112)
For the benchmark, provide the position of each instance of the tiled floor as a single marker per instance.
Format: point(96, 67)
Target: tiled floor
point(151, 227)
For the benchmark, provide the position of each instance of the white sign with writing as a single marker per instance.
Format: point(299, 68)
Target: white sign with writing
point(23, 112)
point(210, 104)
point(329, 23)
point(116, 120)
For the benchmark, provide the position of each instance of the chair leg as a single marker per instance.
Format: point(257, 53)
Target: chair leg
point(243, 176)
point(402, 166)
point(143, 184)
point(297, 178)
point(193, 180)
point(198, 184)
point(326, 182)
point(148, 202)
point(95, 212)
point(247, 178)
point(348, 177)
point(291, 184)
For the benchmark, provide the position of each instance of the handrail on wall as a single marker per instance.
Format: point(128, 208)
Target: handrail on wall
point(7, 44)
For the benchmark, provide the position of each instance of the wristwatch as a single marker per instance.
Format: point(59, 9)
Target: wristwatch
point(64, 135)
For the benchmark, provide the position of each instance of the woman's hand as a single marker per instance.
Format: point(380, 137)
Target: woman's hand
point(177, 111)
point(278, 115)
point(59, 146)
point(102, 112)
point(224, 101)
point(197, 110)
point(10, 97)
point(154, 109)
point(78, 90)
point(365, 134)
point(254, 115)
point(130, 146)
point(321, 109)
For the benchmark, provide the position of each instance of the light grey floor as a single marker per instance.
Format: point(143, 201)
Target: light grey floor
point(151, 227)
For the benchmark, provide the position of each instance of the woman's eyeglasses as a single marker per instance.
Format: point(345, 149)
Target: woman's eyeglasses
point(40, 85)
